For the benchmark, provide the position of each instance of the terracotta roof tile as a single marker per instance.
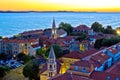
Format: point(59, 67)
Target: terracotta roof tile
point(99, 58)
point(83, 63)
point(89, 52)
point(115, 68)
point(35, 45)
point(75, 55)
point(68, 76)
point(32, 32)
point(19, 40)
point(81, 27)
point(113, 50)
point(104, 76)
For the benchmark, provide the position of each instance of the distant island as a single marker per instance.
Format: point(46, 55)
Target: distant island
point(42, 11)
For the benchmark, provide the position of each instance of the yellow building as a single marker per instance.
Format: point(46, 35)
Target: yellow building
point(84, 45)
point(69, 59)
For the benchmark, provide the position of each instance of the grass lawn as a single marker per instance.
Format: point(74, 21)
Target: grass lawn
point(15, 74)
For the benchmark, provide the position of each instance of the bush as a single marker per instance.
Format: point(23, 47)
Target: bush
point(23, 57)
point(3, 56)
point(2, 72)
point(106, 42)
point(31, 70)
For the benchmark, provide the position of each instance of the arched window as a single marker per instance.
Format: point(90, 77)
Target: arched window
point(50, 66)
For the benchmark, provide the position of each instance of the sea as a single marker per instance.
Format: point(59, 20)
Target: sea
point(15, 23)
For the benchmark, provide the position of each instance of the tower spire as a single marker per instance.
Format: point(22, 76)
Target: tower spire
point(53, 24)
point(51, 54)
point(54, 30)
point(51, 63)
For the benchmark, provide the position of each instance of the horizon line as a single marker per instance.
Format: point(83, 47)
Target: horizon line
point(8, 11)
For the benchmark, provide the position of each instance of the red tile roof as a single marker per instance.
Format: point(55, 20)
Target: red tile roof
point(35, 45)
point(113, 50)
point(69, 38)
point(85, 41)
point(74, 55)
point(83, 63)
point(79, 55)
point(81, 27)
point(99, 58)
point(68, 76)
point(89, 52)
point(59, 41)
point(115, 68)
point(104, 76)
point(19, 40)
point(32, 32)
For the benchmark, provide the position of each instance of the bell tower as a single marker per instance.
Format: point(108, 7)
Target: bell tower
point(54, 30)
point(52, 68)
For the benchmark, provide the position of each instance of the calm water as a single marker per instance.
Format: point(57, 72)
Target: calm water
point(14, 23)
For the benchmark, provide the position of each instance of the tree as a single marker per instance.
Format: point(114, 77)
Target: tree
point(41, 52)
point(81, 37)
point(23, 57)
point(66, 26)
point(57, 49)
point(98, 43)
point(109, 30)
point(0, 37)
point(6, 68)
point(106, 42)
point(31, 70)
point(2, 72)
point(97, 27)
point(3, 56)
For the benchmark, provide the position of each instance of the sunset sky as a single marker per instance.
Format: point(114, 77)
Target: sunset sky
point(61, 5)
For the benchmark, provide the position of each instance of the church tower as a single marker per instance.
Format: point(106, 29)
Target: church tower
point(52, 68)
point(54, 30)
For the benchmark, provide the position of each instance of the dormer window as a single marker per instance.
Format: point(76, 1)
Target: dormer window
point(76, 68)
point(83, 69)
point(108, 78)
point(117, 78)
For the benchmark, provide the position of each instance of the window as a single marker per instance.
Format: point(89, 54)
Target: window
point(83, 69)
point(76, 68)
point(108, 78)
point(117, 78)
point(50, 66)
point(25, 44)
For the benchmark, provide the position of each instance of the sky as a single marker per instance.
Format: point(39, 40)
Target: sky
point(61, 5)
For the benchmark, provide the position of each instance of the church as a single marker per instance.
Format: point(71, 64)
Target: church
point(55, 33)
point(51, 68)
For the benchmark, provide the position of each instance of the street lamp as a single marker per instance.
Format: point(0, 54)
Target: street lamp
point(118, 32)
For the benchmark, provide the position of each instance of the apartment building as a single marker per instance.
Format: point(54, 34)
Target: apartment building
point(16, 46)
